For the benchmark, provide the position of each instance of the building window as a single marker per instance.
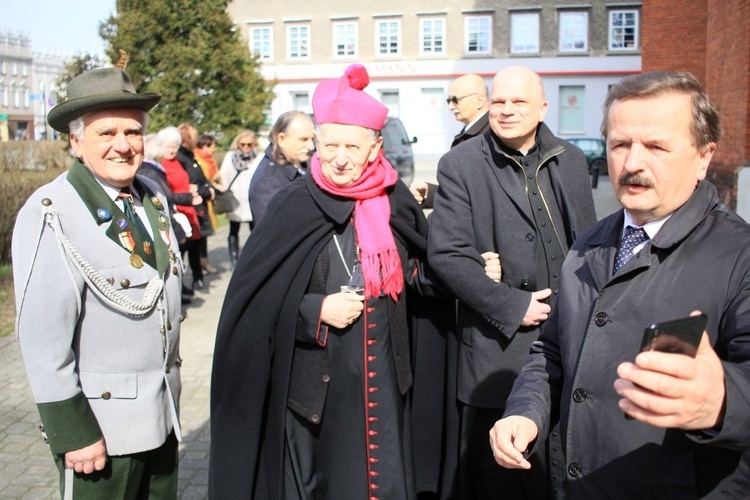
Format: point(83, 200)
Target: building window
point(17, 98)
point(23, 70)
point(574, 31)
point(623, 30)
point(571, 109)
point(2, 67)
point(390, 99)
point(261, 42)
point(301, 102)
point(388, 37)
point(524, 33)
point(298, 41)
point(432, 36)
point(26, 98)
point(478, 34)
point(344, 39)
point(14, 68)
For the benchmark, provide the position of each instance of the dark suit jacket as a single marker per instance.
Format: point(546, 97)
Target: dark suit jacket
point(477, 128)
point(269, 178)
point(481, 206)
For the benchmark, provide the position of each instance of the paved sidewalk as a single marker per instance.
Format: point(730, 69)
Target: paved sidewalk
point(26, 468)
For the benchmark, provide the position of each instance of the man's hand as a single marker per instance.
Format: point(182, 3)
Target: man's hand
point(510, 438)
point(419, 190)
point(492, 266)
point(88, 459)
point(674, 390)
point(341, 309)
point(538, 311)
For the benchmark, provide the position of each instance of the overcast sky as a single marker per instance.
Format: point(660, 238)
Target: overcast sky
point(66, 27)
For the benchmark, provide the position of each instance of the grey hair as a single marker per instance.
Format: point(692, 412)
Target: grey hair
point(77, 125)
point(705, 126)
point(153, 148)
point(169, 135)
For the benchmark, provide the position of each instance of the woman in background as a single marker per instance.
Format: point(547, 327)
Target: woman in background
point(237, 169)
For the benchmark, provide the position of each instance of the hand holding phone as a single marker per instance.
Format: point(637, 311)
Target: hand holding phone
point(682, 336)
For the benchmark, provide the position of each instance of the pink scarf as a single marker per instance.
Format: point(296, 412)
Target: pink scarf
point(381, 266)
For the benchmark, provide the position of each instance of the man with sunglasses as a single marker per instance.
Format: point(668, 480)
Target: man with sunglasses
point(469, 103)
point(520, 192)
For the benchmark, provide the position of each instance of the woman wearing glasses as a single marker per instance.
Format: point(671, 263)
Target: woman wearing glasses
point(238, 168)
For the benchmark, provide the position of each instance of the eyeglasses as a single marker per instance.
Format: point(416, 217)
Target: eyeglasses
point(453, 99)
point(247, 145)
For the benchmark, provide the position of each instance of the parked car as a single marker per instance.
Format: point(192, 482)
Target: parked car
point(397, 148)
point(595, 151)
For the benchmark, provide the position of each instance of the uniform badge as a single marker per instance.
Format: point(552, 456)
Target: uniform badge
point(103, 214)
point(126, 240)
point(165, 237)
point(136, 261)
point(122, 223)
point(147, 247)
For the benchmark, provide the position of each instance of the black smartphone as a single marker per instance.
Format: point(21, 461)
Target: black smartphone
point(679, 336)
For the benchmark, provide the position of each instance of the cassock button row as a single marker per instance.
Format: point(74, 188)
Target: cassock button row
point(326, 378)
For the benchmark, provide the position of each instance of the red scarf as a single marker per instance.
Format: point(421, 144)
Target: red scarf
point(381, 266)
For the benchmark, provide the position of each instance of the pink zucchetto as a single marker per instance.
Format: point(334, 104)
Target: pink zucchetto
point(343, 100)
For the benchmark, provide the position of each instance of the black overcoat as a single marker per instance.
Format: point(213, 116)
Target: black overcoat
point(255, 338)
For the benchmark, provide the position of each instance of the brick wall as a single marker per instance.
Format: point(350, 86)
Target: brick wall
point(717, 51)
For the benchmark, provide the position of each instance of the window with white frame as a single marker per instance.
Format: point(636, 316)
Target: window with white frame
point(478, 34)
point(388, 37)
point(524, 33)
point(301, 101)
point(623, 30)
point(432, 36)
point(261, 42)
point(344, 39)
point(298, 42)
point(574, 31)
point(4, 96)
point(17, 98)
point(24, 70)
point(26, 98)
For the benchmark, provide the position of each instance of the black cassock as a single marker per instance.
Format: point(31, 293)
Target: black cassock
point(251, 455)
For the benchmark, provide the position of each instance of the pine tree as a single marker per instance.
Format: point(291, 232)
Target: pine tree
point(190, 52)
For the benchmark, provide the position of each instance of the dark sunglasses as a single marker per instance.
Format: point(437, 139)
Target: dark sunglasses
point(453, 99)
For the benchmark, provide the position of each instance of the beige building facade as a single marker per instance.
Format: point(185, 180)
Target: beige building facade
point(414, 50)
point(16, 109)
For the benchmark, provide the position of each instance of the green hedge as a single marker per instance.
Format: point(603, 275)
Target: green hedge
point(25, 166)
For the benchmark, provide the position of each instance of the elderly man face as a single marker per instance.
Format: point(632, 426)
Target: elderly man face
point(112, 145)
point(653, 162)
point(345, 151)
point(517, 106)
point(467, 98)
point(296, 142)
